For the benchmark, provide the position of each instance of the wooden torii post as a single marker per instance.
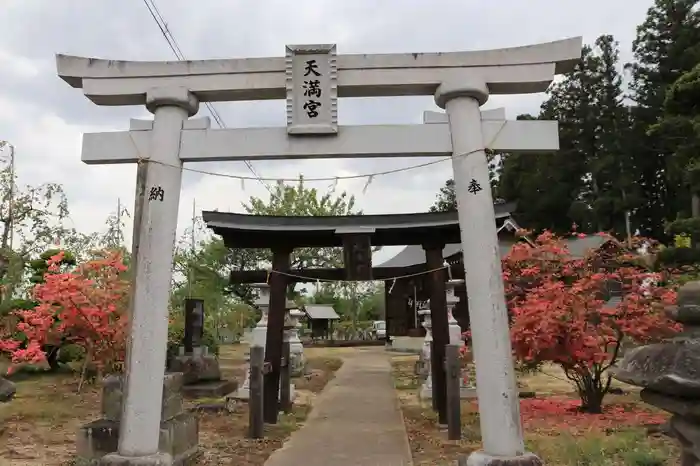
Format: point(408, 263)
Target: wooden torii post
point(312, 78)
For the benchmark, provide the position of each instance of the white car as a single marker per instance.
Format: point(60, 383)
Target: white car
point(379, 328)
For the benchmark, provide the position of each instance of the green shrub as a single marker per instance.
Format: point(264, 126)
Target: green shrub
point(70, 353)
point(644, 457)
point(678, 256)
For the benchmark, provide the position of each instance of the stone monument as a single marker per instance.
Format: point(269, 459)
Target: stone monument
point(201, 372)
point(669, 373)
point(460, 82)
point(97, 441)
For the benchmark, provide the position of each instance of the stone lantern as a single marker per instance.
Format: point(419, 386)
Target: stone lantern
point(669, 373)
point(426, 391)
point(258, 337)
point(296, 348)
point(262, 302)
point(452, 299)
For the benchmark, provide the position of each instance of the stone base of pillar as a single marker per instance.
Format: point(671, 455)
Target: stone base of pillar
point(98, 441)
point(179, 439)
point(479, 458)
point(160, 459)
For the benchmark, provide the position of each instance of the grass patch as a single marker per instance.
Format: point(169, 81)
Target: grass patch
point(557, 433)
point(403, 372)
point(321, 371)
point(39, 427)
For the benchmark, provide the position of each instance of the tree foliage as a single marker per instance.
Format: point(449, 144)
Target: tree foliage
point(86, 305)
point(562, 311)
point(298, 200)
point(446, 199)
point(625, 154)
point(667, 45)
point(587, 181)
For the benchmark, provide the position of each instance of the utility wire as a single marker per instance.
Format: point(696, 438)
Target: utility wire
point(335, 179)
point(175, 47)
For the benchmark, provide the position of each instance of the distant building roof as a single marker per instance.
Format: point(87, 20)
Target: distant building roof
point(414, 255)
point(320, 311)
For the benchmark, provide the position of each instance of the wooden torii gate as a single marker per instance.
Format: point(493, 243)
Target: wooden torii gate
point(312, 78)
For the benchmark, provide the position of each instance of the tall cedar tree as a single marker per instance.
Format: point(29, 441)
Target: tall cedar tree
point(583, 182)
point(667, 46)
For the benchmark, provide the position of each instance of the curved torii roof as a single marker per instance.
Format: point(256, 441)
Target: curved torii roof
point(264, 231)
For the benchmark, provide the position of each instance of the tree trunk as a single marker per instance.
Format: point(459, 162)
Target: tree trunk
point(695, 213)
point(52, 356)
point(592, 400)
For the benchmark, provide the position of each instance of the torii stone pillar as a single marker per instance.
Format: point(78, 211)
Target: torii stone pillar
point(499, 406)
point(145, 365)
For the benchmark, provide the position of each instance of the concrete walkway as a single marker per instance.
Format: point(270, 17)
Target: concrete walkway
point(355, 421)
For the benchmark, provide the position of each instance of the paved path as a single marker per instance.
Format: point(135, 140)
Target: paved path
point(355, 421)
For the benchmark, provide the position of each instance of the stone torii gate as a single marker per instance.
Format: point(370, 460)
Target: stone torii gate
point(312, 78)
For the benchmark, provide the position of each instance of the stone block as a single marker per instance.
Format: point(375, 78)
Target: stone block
point(113, 394)
point(211, 389)
point(196, 368)
point(7, 390)
point(179, 438)
point(242, 395)
point(159, 459)
point(479, 458)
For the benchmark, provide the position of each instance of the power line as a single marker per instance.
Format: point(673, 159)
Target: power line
point(175, 47)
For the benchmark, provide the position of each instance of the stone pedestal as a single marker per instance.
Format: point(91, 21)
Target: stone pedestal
point(242, 394)
point(669, 374)
point(97, 441)
point(201, 375)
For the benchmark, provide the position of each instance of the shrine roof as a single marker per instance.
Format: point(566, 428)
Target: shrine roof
point(265, 231)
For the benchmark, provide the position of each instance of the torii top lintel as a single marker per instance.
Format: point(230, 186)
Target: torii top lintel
point(516, 70)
